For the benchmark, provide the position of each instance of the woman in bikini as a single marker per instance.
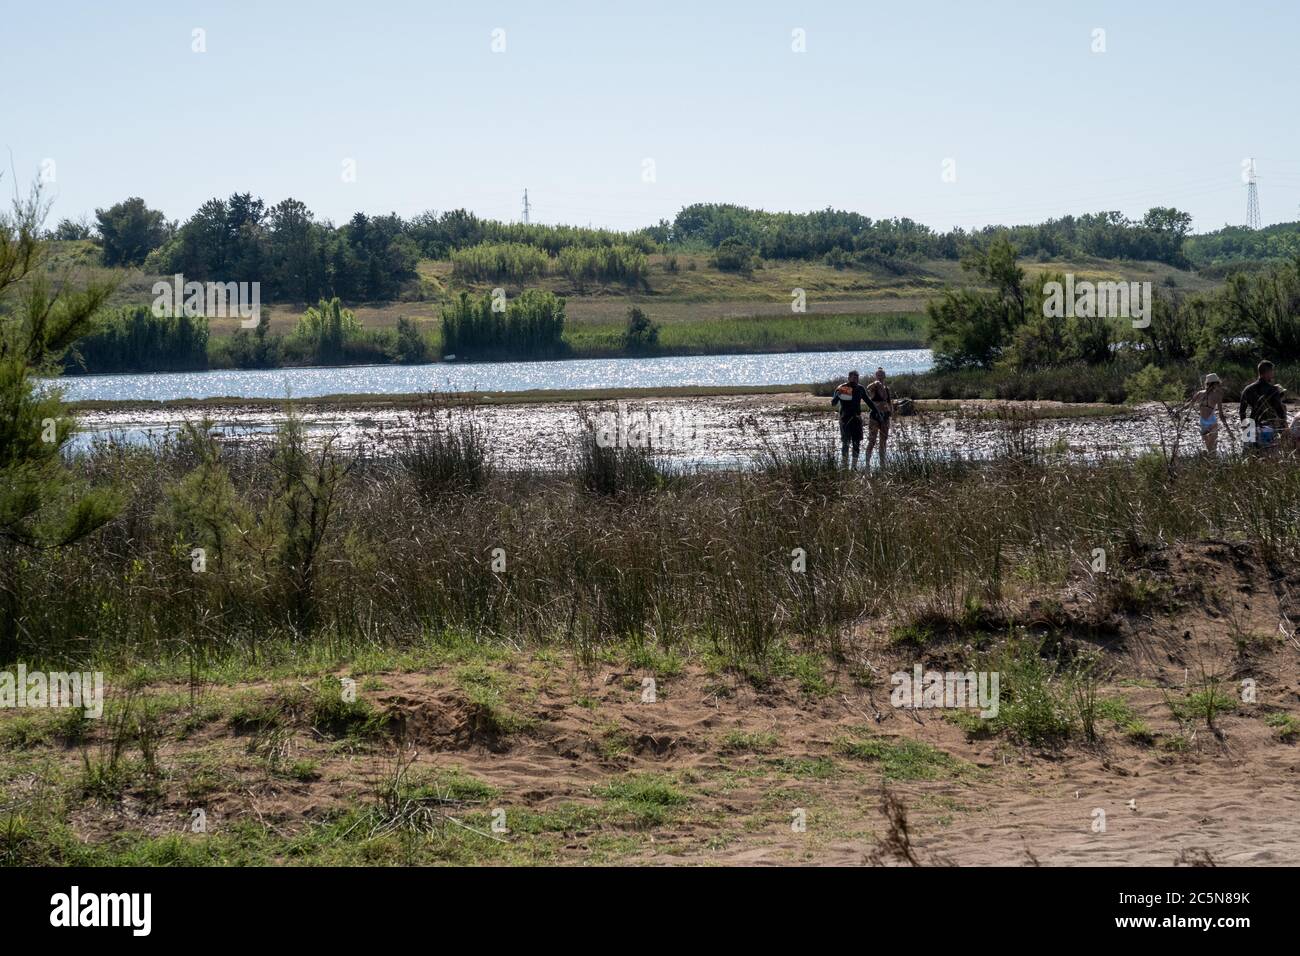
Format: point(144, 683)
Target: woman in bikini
point(1209, 402)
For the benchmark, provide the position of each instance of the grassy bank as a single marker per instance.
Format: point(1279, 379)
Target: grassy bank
point(737, 335)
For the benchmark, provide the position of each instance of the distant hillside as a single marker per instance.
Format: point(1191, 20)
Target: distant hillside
point(299, 258)
point(1233, 247)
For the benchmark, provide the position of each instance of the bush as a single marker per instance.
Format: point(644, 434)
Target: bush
point(641, 335)
point(734, 255)
point(612, 469)
point(1153, 384)
point(837, 258)
point(411, 347)
point(1036, 706)
point(245, 349)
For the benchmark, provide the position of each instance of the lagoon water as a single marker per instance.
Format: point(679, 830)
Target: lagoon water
point(786, 368)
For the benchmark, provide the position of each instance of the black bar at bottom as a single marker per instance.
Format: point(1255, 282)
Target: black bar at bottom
point(336, 906)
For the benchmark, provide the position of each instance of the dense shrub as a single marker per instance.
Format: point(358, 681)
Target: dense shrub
point(734, 255)
point(410, 347)
point(529, 326)
point(641, 334)
point(135, 340)
point(258, 348)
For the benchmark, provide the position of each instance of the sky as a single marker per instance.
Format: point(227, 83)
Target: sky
point(619, 114)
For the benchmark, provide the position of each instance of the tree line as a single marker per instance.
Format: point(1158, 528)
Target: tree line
point(300, 258)
point(1007, 324)
point(842, 237)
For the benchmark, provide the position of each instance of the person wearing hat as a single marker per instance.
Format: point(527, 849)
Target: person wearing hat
point(1209, 400)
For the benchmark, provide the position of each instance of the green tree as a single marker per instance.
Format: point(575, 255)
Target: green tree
point(68, 230)
point(203, 506)
point(41, 504)
point(973, 327)
point(130, 230)
point(307, 483)
point(412, 348)
point(641, 334)
point(1266, 308)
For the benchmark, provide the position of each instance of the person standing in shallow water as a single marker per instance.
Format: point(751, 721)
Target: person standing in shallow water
point(1209, 403)
point(1262, 410)
point(849, 397)
point(883, 402)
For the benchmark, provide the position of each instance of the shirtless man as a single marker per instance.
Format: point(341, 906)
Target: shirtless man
point(880, 396)
point(1262, 410)
point(1209, 401)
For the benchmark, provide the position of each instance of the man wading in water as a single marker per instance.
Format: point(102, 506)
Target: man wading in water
point(849, 397)
point(1261, 403)
point(883, 402)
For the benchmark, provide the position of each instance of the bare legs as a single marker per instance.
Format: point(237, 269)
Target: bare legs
point(871, 442)
point(1211, 438)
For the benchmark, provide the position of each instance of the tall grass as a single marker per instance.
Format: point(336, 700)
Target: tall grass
point(506, 260)
point(613, 469)
point(530, 325)
point(325, 548)
point(445, 454)
point(604, 264)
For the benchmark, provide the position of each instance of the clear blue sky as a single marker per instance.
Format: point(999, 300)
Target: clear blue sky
point(1037, 123)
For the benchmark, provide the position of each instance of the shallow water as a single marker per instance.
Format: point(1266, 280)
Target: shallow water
point(786, 368)
point(723, 432)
